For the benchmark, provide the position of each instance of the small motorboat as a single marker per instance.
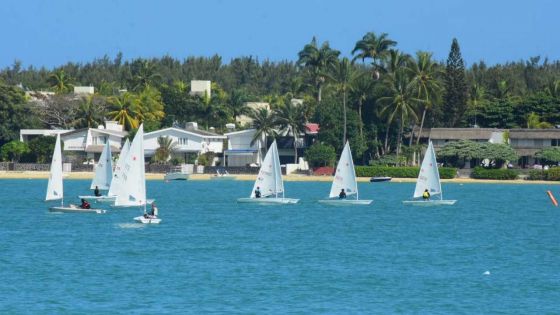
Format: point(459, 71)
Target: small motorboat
point(377, 179)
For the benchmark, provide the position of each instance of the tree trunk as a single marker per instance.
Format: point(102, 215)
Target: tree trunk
point(295, 149)
point(361, 120)
point(421, 126)
point(386, 139)
point(399, 140)
point(344, 111)
point(319, 92)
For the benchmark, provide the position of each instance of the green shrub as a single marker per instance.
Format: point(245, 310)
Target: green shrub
point(550, 174)
point(485, 173)
point(400, 172)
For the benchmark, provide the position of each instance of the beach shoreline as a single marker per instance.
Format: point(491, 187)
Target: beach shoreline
point(252, 177)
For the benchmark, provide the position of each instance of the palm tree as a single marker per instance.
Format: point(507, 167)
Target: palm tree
point(166, 147)
point(150, 104)
point(400, 103)
point(291, 119)
point(476, 95)
point(90, 112)
point(264, 122)
point(342, 73)
point(374, 47)
point(237, 103)
point(553, 88)
point(424, 72)
point(126, 110)
point(60, 82)
point(317, 60)
point(361, 89)
point(145, 75)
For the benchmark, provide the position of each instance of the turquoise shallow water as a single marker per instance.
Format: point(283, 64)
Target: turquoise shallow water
point(212, 255)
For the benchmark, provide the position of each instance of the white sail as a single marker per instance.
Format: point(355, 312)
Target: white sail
point(118, 173)
point(345, 176)
point(269, 179)
point(55, 187)
point(428, 178)
point(103, 169)
point(133, 192)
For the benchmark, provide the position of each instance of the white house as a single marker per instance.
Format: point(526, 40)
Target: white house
point(91, 140)
point(201, 88)
point(27, 134)
point(240, 152)
point(188, 141)
point(84, 90)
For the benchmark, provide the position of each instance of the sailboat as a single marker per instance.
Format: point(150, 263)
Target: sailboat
point(116, 181)
point(269, 181)
point(55, 187)
point(132, 192)
point(428, 178)
point(345, 178)
point(222, 175)
point(103, 175)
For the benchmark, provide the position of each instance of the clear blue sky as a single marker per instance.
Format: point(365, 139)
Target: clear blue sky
point(50, 33)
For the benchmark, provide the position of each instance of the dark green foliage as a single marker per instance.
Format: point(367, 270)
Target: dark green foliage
point(13, 150)
point(502, 174)
point(552, 174)
point(401, 172)
point(550, 155)
point(455, 99)
point(14, 114)
point(320, 155)
point(41, 149)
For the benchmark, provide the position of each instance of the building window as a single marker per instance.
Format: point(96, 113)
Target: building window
point(555, 142)
point(183, 141)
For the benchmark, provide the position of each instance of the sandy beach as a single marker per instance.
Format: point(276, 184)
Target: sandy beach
point(246, 177)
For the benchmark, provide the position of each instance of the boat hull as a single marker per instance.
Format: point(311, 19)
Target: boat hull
point(76, 210)
point(99, 198)
point(268, 200)
point(429, 203)
point(149, 201)
point(345, 202)
point(380, 179)
point(176, 176)
point(144, 220)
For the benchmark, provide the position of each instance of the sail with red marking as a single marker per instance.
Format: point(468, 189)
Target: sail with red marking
point(133, 182)
point(345, 176)
point(428, 177)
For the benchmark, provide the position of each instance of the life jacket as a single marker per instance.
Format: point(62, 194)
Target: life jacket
point(426, 194)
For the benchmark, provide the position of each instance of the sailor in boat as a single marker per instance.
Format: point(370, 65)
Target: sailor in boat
point(258, 192)
point(96, 192)
point(85, 204)
point(426, 195)
point(153, 212)
point(342, 194)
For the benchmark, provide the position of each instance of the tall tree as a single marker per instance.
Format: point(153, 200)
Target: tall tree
point(264, 122)
point(374, 47)
point(91, 112)
point(144, 75)
point(425, 72)
point(166, 146)
point(342, 73)
point(126, 110)
point(237, 103)
point(316, 60)
point(60, 82)
point(291, 120)
point(400, 103)
point(15, 114)
point(455, 99)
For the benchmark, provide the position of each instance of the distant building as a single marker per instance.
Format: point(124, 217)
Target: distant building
point(84, 90)
point(189, 140)
point(201, 88)
point(527, 142)
point(89, 142)
point(240, 151)
point(441, 136)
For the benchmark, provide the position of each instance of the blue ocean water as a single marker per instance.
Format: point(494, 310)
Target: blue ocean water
point(212, 255)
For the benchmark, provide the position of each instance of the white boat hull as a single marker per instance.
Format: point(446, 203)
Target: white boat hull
point(99, 198)
point(76, 210)
point(176, 176)
point(149, 202)
point(268, 200)
point(145, 220)
point(345, 202)
point(429, 203)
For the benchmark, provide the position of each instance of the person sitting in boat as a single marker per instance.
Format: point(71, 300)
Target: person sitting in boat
point(85, 204)
point(342, 194)
point(426, 195)
point(96, 192)
point(258, 192)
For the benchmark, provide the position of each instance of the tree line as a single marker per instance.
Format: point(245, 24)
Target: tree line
point(374, 99)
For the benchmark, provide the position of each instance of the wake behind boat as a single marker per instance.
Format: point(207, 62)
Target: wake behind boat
point(269, 185)
point(428, 183)
point(344, 182)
